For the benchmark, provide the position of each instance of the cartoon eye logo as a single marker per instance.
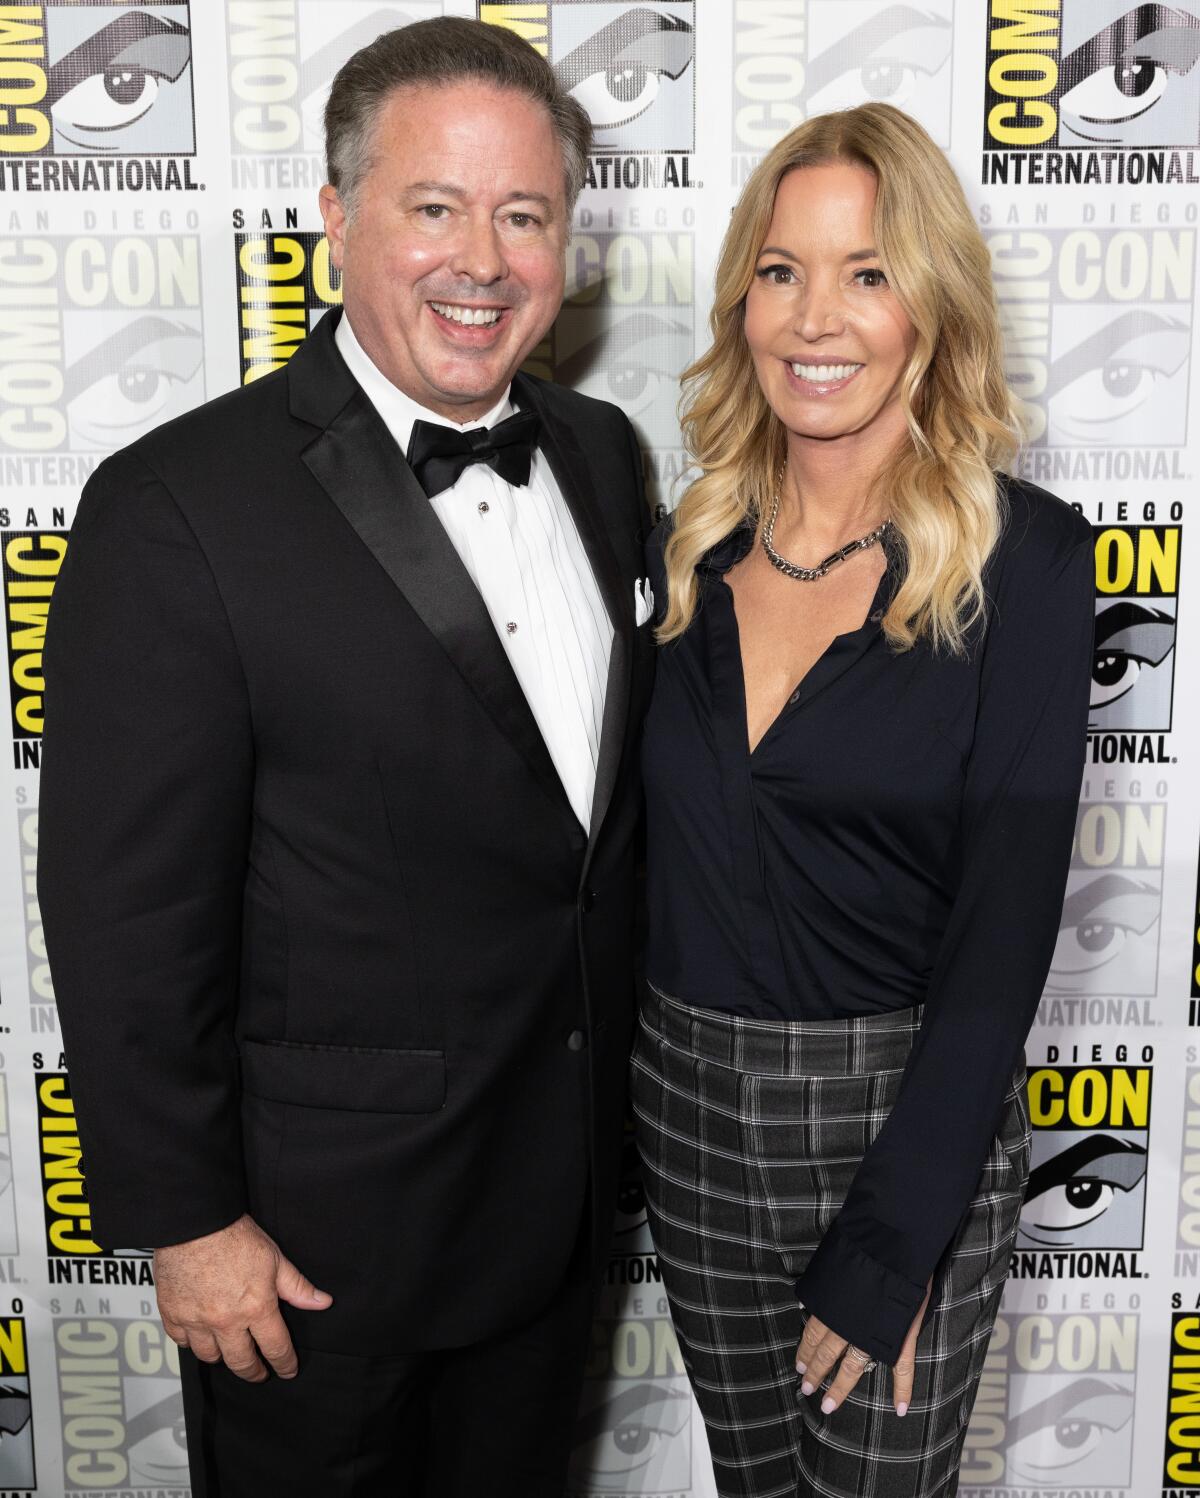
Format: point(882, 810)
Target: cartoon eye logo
point(114, 79)
point(1115, 95)
point(616, 73)
point(633, 361)
point(1053, 1438)
point(137, 377)
point(15, 1410)
point(882, 58)
point(1122, 72)
point(1078, 1185)
point(624, 1435)
point(1113, 374)
point(318, 69)
point(1129, 637)
point(157, 1442)
point(1098, 920)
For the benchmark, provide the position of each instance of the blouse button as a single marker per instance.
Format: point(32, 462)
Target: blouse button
point(795, 697)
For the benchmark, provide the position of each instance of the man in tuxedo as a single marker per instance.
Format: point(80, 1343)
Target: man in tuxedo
point(342, 937)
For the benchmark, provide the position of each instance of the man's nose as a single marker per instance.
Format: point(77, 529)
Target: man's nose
point(479, 253)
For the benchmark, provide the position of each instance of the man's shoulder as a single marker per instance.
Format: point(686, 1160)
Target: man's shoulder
point(228, 428)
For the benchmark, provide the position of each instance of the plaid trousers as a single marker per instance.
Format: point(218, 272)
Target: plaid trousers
point(750, 1133)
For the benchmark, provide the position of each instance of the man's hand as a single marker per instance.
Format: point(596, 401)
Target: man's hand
point(220, 1295)
point(819, 1351)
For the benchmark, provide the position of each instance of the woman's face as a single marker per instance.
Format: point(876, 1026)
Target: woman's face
point(829, 339)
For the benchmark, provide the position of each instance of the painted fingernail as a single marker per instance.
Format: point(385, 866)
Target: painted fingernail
point(801, 1367)
point(806, 1387)
point(902, 1408)
point(828, 1405)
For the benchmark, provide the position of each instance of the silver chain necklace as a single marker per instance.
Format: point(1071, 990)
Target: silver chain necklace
point(811, 574)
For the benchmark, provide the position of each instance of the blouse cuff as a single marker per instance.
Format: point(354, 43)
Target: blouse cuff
point(859, 1298)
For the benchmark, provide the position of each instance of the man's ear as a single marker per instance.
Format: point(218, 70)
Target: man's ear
point(334, 216)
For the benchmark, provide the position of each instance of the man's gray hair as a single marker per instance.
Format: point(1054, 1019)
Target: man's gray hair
point(444, 50)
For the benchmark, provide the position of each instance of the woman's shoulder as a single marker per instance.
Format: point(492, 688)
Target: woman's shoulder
point(1040, 530)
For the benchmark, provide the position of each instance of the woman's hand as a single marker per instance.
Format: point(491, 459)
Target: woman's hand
point(820, 1348)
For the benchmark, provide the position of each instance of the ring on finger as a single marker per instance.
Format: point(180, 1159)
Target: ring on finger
point(863, 1361)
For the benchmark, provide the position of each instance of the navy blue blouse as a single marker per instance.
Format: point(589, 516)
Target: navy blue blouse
point(899, 836)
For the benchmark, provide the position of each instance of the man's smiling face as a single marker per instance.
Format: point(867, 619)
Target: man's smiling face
point(453, 261)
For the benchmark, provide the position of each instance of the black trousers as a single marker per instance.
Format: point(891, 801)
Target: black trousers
point(494, 1418)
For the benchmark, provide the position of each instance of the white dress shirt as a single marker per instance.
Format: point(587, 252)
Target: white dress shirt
point(524, 554)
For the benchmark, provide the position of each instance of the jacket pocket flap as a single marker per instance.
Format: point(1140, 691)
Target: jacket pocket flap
point(359, 1079)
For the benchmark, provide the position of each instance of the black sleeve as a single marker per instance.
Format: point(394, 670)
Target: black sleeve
point(1020, 798)
point(145, 799)
point(644, 517)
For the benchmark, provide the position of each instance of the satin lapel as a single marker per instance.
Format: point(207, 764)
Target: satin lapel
point(573, 476)
point(357, 464)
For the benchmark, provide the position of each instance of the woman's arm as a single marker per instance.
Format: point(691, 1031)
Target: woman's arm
point(869, 1274)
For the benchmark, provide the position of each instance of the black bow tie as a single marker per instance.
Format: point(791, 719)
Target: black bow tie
point(438, 454)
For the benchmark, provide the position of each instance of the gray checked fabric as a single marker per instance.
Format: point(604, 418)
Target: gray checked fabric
point(750, 1133)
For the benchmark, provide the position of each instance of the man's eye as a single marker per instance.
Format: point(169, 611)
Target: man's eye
point(434, 210)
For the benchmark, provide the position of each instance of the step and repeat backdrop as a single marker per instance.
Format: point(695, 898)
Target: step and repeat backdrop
point(160, 244)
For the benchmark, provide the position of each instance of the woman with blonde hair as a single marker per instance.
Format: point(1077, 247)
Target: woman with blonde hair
point(862, 764)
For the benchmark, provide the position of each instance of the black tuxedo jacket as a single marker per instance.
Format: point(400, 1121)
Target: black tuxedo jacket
point(328, 943)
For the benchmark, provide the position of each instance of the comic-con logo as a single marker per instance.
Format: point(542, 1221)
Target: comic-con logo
point(1097, 332)
point(122, 1409)
point(1187, 1230)
point(17, 1469)
point(75, 1255)
point(633, 1433)
point(32, 562)
point(632, 67)
point(1181, 1458)
point(283, 56)
point(1137, 594)
point(43, 1014)
point(1092, 79)
point(1108, 933)
point(796, 58)
point(286, 283)
point(1194, 1015)
point(1087, 1179)
point(96, 95)
point(1055, 1404)
point(9, 1239)
point(626, 331)
point(104, 339)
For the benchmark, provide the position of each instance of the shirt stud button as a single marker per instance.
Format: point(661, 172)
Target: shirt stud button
point(511, 627)
point(483, 507)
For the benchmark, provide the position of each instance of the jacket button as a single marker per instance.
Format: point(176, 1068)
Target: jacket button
point(576, 1040)
point(587, 900)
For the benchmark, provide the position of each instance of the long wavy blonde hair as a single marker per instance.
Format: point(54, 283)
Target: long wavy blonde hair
point(962, 422)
